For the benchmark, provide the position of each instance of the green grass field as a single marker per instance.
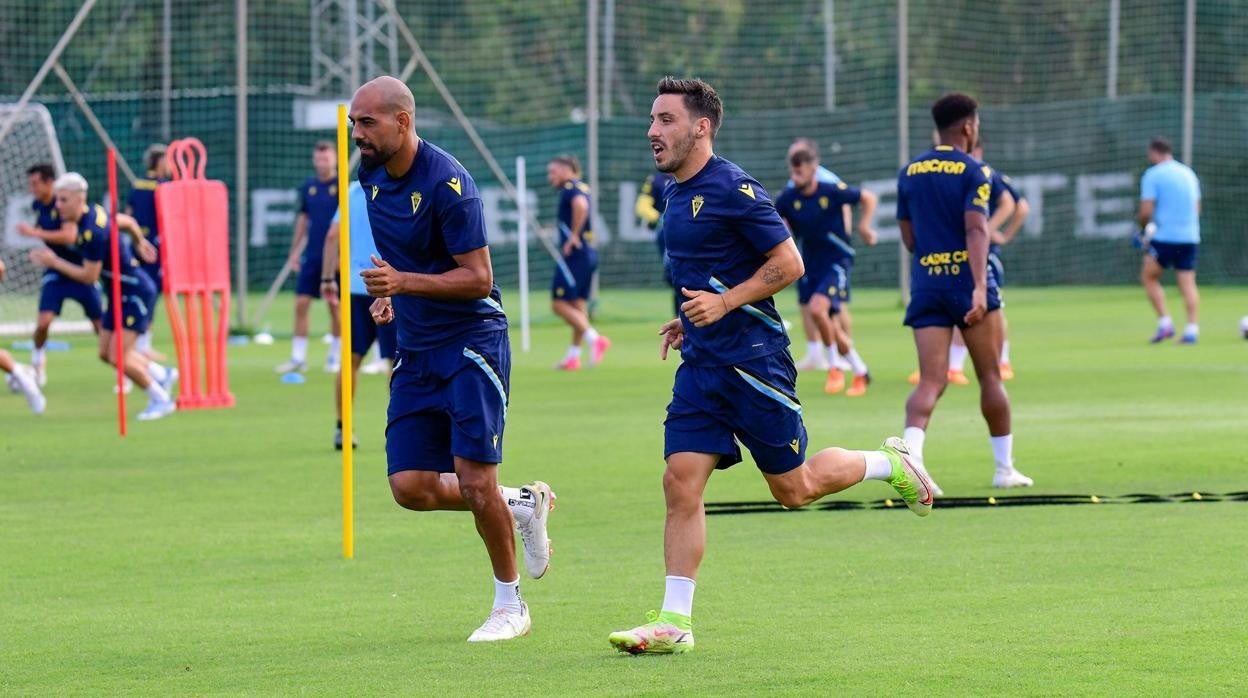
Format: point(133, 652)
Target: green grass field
point(202, 554)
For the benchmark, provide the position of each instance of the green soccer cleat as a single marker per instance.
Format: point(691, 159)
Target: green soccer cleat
point(665, 633)
point(909, 481)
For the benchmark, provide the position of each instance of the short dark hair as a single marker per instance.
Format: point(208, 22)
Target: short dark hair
point(45, 171)
point(950, 110)
point(1161, 145)
point(570, 160)
point(699, 98)
point(324, 145)
point(801, 156)
point(153, 154)
point(807, 144)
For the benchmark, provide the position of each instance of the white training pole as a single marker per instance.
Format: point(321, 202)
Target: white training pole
point(522, 244)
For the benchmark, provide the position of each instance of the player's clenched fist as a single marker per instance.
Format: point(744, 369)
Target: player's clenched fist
point(703, 307)
point(384, 281)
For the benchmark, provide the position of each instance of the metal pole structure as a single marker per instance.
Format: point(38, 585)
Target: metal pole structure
point(353, 46)
point(608, 59)
point(166, 71)
point(96, 126)
point(522, 246)
point(1111, 80)
point(829, 56)
point(591, 99)
point(903, 126)
point(1189, 79)
point(53, 57)
point(240, 160)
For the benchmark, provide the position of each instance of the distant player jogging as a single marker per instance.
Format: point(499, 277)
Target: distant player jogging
point(449, 389)
point(730, 255)
point(942, 209)
point(574, 278)
point(137, 290)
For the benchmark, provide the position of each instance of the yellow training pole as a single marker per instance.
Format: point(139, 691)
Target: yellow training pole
point(344, 322)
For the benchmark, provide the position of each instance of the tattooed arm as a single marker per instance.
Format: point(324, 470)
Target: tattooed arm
point(783, 267)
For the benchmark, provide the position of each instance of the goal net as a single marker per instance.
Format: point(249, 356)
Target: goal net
point(29, 139)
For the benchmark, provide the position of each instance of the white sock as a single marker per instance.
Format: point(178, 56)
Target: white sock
point(335, 348)
point(1003, 451)
point(879, 467)
point(1192, 329)
point(157, 372)
point(1164, 322)
point(157, 393)
point(812, 348)
point(36, 356)
point(591, 336)
point(957, 357)
point(376, 351)
point(519, 501)
point(914, 438)
point(678, 597)
point(1005, 352)
point(574, 352)
point(856, 363)
point(299, 349)
point(144, 342)
point(507, 595)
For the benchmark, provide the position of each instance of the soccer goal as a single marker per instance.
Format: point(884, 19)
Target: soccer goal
point(28, 138)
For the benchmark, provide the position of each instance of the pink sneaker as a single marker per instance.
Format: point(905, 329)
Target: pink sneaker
point(571, 363)
point(599, 350)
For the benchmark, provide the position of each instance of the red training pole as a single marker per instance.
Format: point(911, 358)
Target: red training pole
point(118, 339)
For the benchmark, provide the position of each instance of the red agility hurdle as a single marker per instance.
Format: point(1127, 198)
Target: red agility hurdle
point(195, 257)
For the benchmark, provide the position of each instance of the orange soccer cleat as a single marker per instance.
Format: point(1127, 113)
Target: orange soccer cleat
point(958, 377)
point(1007, 371)
point(859, 387)
point(835, 382)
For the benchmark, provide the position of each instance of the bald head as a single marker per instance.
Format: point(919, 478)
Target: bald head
point(383, 118)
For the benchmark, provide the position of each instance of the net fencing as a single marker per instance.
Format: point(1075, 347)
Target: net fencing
point(1071, 91)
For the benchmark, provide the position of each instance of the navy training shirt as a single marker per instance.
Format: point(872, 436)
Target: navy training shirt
point(319, 201)
point(819, 223)
point(933, 192)
point(93, 242)
point(717, 228)
point(419, 221)
point(568, 193)
point(142, 204)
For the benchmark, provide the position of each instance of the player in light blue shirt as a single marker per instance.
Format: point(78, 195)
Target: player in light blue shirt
point(1170, 216)
point(363, 330)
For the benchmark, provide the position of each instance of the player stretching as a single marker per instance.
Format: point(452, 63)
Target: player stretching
point(21, 378)
point(569, 290)
point(1170, 200)
point(55, 288)
point(363, 329)
point(448, 392)
point(318, 200)
point(137, 291)
point(730, 254)
point(942, 208)
point(813, 210)
point(141, 204)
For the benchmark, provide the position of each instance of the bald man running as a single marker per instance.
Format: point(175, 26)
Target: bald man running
point(448, 394)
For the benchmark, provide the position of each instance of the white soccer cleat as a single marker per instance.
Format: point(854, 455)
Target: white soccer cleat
point(503, 624)
point(1005, 479)
point(292, 366)
point(332, 365)
point(157, 410)
point(539, 499)
point(374, 367)
point(27, 384)
point(813, 362)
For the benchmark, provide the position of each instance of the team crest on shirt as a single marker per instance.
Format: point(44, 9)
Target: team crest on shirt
point(311, 191)
point(746, 189)
point(697, 204)
point(415, 201)
point(797, 205)
point(453, 183)
point(374, 196)
point(823, 202)
point(333, 190)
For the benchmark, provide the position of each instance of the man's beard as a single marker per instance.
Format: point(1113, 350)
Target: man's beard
point(377, 159)
point(680, 152)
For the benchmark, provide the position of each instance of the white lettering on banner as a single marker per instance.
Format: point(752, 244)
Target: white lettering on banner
point(1032, 188)
point(885, 222)
point(271, 208)
point(1092, 205)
